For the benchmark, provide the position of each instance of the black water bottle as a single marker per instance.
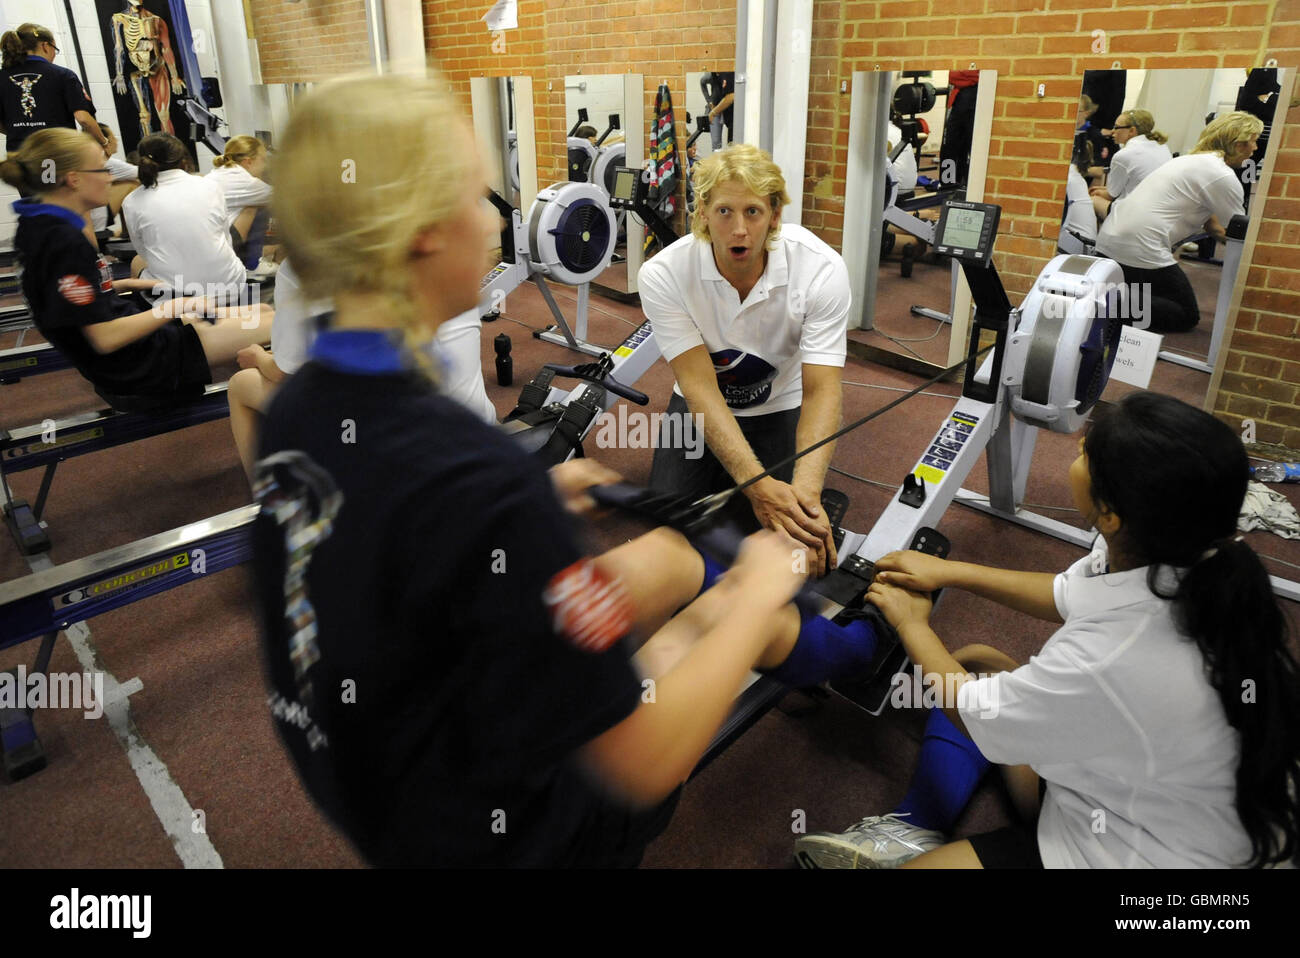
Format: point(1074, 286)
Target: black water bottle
point(505, 365)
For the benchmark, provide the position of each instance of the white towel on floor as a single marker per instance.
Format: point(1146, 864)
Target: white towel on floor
point(1269, 510)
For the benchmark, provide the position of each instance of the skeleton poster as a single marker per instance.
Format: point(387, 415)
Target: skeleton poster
point(144, 68)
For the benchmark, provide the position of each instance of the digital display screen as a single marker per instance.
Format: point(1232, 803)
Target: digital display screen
point(963, 228)
point(624, 184)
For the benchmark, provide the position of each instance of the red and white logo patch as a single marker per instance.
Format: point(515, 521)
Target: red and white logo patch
point(587, 607)
point(76, 289)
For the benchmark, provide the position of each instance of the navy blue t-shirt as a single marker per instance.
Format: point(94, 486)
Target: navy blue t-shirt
point(68, 285)
point(435, 650)
point(37, 95)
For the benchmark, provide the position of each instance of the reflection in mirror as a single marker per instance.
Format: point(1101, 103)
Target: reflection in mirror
point(496, 128)
point(927, 157)
point(596, 142)
point(709, 114)
point(503, 127)
point(277, 101)
point(602, 133)
point(1147, 188)
point(709, 107)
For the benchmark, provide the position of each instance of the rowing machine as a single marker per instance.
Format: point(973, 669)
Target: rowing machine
point(569, 238)
point(46, 444)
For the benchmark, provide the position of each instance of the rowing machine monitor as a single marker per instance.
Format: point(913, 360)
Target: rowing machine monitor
point(623, 196)
point(630, 193)
point(967, 231)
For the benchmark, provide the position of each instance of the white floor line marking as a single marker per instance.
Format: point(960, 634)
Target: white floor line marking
point(194, 849)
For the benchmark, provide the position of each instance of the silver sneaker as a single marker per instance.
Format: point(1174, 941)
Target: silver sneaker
point(878, 841)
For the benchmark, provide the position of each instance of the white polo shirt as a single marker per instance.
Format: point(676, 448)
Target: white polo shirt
point(120, 171)
point(1116, 715)
point(456, 347)
point(796, 313)
point(904, 168)
point(241, 189)
point(1136, 160)
point(179, 227)
point(458, 344)
point(1170, 205)
point(1080, 217)
point(294, 327)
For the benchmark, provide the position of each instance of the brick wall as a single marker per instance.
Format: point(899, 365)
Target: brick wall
point(660, 39)
point(311, 40)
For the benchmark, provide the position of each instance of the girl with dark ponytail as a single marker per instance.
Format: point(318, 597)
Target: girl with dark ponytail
point(1176, 478)
point(1159, 726)
point(178, 224)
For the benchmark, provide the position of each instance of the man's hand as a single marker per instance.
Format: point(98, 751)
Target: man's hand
point(913, 570)
point(572, 479)
point(780, 507)
point(901, 607)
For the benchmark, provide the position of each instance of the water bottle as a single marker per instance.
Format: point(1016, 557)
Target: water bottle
point(505, 365)
point(1277, 472)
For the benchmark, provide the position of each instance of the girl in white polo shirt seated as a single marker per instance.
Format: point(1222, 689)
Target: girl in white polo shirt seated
point(1079, 223)
point(238, 171)
point(1157, 727)
point(1142, 152)
point(1188, 195)
point(178, 223)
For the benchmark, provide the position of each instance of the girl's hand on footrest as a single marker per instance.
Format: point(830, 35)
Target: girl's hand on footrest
point(901, 607)
point(913, 570)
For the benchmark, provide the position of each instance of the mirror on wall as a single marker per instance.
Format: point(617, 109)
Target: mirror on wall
point(604, 129)
point(913, 144)
point(1129, 124)
point(272, 103)
point(502, 110)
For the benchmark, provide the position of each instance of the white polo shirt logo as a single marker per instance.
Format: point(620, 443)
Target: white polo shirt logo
point(744, 379)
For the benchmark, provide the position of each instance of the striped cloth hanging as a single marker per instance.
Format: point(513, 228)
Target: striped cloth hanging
point(663, 165)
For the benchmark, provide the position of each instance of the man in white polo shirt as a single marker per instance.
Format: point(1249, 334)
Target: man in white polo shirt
point(752, 317)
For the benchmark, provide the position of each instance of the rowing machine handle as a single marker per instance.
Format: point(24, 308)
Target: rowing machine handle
point(609, 382)
point(721, 542)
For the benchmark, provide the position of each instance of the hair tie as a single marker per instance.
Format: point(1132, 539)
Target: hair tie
point(1219, 544)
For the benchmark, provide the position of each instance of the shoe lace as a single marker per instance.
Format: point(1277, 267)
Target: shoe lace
point(880, 824)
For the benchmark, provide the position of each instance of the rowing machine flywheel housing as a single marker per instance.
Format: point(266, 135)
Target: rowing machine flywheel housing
point(581, 155)
point(608, 159)
point(1059, 358)
point(571, 232)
